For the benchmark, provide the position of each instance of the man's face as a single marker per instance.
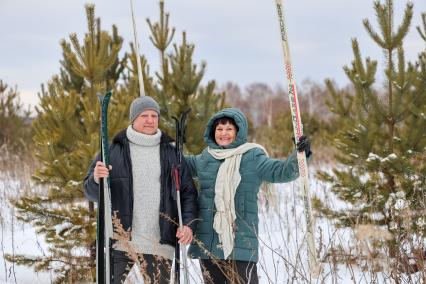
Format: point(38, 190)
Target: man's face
point(146, 122)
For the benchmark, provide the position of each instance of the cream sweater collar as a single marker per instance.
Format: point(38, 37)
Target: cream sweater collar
point(143, 139)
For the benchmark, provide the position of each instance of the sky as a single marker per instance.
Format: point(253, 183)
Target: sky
point(238, 39)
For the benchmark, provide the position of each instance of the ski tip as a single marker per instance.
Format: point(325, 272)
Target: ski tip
point(105, 97)
point(100, 97)
point(187, 111)
point(108, 94)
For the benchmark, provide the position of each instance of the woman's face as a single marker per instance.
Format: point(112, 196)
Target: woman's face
point(225, 134)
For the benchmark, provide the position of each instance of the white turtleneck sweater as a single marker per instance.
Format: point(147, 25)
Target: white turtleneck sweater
point(146, 170)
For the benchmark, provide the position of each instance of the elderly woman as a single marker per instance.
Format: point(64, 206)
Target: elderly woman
point(230, 172)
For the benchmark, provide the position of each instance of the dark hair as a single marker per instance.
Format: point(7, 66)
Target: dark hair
point(223, 121)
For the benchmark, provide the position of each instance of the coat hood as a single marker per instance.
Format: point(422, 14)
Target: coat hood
point(239, 119)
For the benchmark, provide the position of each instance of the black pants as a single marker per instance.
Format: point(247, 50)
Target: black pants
point(229, 271)
point(155, 269)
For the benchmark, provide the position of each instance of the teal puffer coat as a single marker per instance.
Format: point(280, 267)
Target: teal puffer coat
point(255, 168)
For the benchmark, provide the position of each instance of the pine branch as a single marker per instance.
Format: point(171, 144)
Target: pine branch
point(419, 29)
point(402, 30)
point(161, 34)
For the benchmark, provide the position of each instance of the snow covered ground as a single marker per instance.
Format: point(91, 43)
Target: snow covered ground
point(17, 238)
point(283, 252)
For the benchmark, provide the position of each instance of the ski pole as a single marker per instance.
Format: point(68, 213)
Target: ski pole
point(298, 132)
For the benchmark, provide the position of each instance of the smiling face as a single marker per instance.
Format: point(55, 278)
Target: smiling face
point(225, 134)
point(146, 122)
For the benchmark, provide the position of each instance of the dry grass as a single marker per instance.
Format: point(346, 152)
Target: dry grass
point(15, 181)
point(357, 255)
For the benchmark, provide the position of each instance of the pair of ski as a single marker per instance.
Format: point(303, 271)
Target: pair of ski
point(104, 233)
point(104, 230)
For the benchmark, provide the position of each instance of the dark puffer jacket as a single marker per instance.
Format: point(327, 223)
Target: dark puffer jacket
point(255, 167)
point(122, 187)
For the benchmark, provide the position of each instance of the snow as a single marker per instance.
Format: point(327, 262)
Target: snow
point(421, 222)
point(282, 239)
point(373, 157)
point(400, 204)
point(62, 227)
point(377, 216)
point(283, 253)
point(74, 183)
point(17, 238)
point(354, 155)
point(389, 158)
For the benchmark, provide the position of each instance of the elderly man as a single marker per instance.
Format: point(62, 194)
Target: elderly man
point(141, 158)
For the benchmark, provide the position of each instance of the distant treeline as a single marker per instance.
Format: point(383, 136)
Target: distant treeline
point(266, 107)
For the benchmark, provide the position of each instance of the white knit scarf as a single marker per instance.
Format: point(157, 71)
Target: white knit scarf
point(227, 180)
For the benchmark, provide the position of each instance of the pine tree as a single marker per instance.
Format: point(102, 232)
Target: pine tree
point(383, 138)
point(179, 84)
point(66, 138)
point(14, 121)
point(66, 135)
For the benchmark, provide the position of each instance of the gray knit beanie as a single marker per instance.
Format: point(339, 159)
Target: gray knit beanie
point(141, 104)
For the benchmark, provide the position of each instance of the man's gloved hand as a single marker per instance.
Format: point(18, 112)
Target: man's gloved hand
point(304, 145)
